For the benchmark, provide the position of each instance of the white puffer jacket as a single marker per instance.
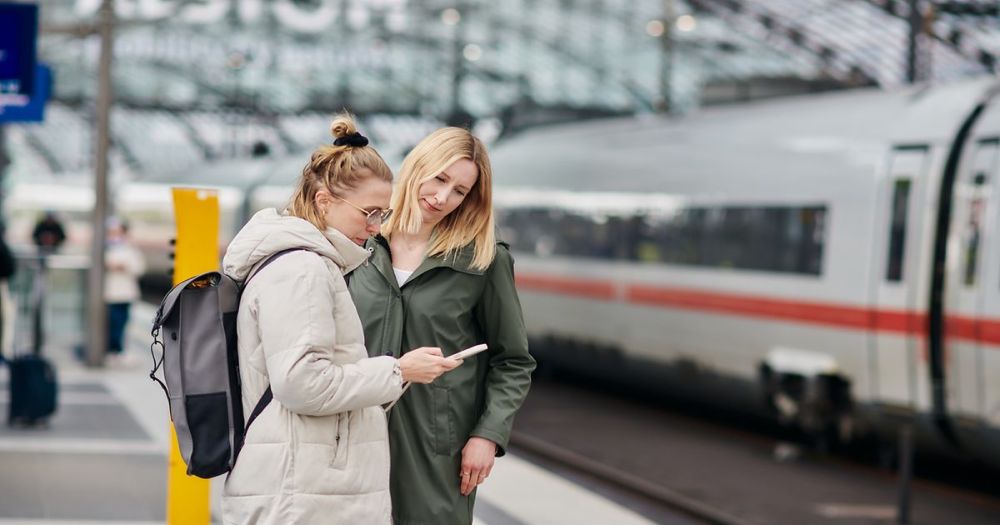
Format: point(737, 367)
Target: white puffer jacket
point(319, 452)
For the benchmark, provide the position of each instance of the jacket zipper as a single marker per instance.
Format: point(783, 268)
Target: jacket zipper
point(385, 323)
point(388, 306)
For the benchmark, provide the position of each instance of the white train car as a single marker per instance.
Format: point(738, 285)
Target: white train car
point(832, 259)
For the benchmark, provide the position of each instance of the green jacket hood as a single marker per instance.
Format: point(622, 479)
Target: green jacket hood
point(460, 260)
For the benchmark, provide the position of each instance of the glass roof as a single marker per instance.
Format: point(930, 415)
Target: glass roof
point(427, 57)
point(199, 81)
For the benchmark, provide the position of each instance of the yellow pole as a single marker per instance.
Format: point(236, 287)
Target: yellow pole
point(196, 213)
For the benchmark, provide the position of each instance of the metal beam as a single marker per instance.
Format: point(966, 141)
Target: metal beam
point(916, 21)
point(97, 337)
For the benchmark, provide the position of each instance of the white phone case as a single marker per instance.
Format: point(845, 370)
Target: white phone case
point(469, 352)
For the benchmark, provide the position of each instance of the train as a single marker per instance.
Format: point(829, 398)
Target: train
point(830, 261)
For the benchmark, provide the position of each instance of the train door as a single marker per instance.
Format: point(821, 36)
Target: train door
point(971, 285)
point(895, 278)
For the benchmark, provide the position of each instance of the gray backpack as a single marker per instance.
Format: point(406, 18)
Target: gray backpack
point(201, 368)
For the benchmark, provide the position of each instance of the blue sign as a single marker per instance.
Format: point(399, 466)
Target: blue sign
point(18, 32)
point(25, 108)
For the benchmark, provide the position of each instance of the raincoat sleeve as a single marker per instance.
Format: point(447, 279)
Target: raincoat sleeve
point(295, 315)
point(509, 375)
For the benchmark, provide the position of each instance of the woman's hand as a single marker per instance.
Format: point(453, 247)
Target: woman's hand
point(425, 364)
point(477, 462)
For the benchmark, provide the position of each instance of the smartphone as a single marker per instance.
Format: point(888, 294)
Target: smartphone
point(469, 352)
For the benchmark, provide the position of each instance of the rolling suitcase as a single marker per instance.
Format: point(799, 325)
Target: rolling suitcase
point(32, 378)
point(32, 390)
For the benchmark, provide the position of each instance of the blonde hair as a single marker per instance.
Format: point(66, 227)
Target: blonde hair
point(472, 221)
point(335, 169)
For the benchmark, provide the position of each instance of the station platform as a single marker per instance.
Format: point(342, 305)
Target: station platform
point(102, 458)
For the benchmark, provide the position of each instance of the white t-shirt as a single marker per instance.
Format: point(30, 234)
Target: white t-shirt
point(401, 275)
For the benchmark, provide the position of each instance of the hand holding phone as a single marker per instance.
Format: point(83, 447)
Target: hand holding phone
point(469, 352)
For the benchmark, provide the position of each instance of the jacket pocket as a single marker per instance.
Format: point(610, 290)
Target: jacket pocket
point(443, 428)
point(342, 440)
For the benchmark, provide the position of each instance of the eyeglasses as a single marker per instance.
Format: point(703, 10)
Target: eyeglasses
point(372, 218)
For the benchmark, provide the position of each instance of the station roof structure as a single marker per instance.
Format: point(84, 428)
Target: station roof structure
point(211, 79)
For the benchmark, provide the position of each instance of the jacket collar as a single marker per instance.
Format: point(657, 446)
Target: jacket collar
point(351, 255)
point(460, 261)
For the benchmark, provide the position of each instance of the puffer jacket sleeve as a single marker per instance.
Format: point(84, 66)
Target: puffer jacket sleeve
point(295, 315)
point(509, 376)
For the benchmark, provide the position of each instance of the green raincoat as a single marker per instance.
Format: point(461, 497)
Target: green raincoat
point(448, 304)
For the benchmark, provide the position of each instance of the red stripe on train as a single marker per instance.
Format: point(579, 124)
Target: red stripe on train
point(973, 329)
point(840, 316)
point(561, 285)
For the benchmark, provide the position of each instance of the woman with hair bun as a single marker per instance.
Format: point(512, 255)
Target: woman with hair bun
point(438, 277)
point(318, 452)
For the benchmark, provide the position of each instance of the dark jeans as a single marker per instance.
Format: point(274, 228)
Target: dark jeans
point(117, 319)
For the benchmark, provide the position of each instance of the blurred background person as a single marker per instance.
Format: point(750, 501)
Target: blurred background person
point(48, 234)
point(124, 264)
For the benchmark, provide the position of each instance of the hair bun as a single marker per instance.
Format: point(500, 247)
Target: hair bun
point(343, 124)
point(354, 140)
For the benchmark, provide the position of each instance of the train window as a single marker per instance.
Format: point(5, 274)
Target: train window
point(972, 229)
point(775, 239)
point(764, 238)
point(897, 230)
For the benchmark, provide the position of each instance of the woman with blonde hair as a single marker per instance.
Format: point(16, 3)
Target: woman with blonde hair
point(438, 277)
point(318, 452)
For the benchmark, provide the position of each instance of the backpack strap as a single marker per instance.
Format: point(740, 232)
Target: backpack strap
point(257, 410)
point(268, 395)
point(271, 258)
point(261, 405)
